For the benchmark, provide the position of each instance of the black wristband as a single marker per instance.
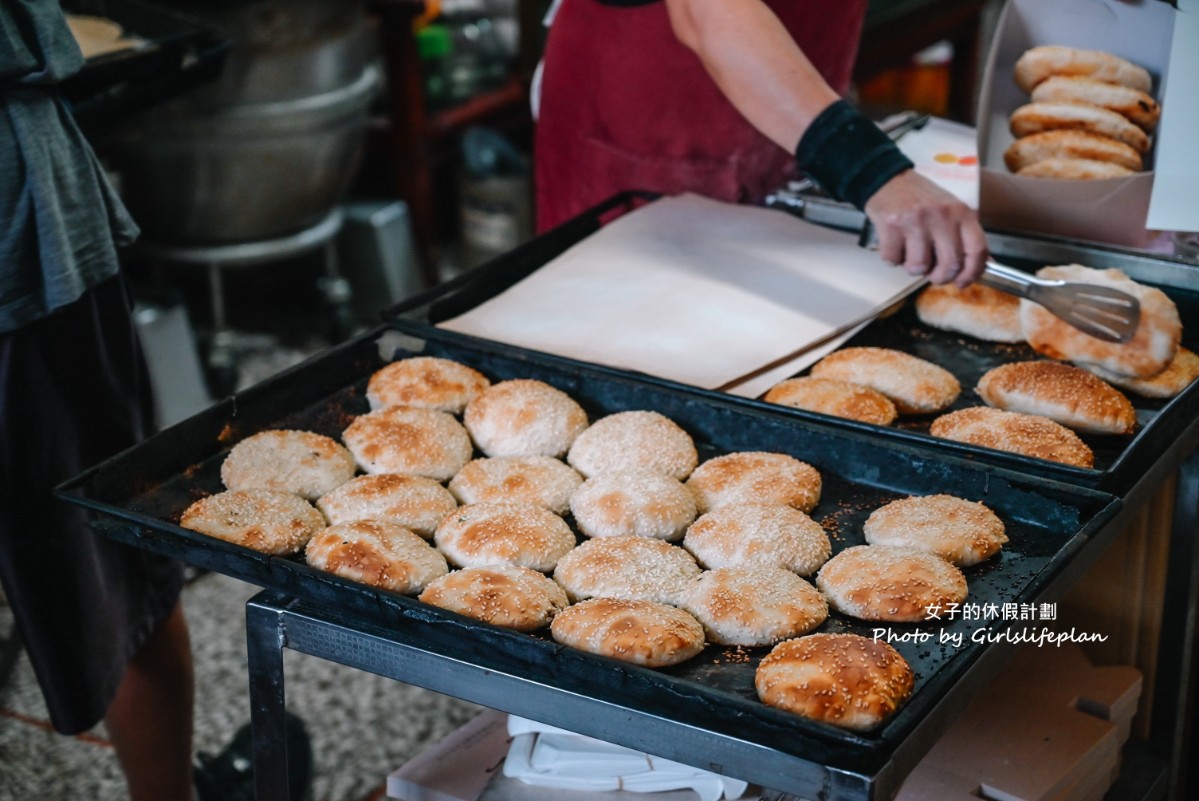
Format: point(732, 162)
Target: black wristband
point(848, 155)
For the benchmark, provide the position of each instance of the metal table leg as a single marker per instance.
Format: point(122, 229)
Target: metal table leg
point(264, 645)
point(337, 294)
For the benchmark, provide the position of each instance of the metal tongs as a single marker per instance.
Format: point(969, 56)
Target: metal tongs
point(1100, 311)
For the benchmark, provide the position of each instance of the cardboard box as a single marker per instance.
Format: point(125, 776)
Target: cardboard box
point(1049, 728)
point(1112, 210)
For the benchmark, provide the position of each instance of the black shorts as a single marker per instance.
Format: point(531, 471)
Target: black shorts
point(74, 391)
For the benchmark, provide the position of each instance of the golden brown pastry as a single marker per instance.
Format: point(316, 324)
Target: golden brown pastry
point(300, 462)
point(960, 531)
point(510, 596)
point(1024, 434)
point(758, 535)
point(376, 553)
point(1138, 106)
point(638, 503)
point(1074, 170)
point(637, 440)
point(542, 480)
point(504, 533)
point(1182, 370)
point(1149, 351)
point(844, 679)
point(626, 567)
point(882, 582)
point(270, 521)
point(754, 605)
point(524, 417)
point(755, 477)
point(914, 385)
point(428, 382)
point(1036, 117)
point(400, 439)
point(838, 398)
point(1040, 63)
point(642, 632)
point(1071, 396)
point(1066, 144)
point(414, 502)
point(977, 311)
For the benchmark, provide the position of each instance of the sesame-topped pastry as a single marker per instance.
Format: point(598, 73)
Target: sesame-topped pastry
point(299, 462)
point(1023, 434)
point(882, 582)
point(755, 477)
point(1034, 118)
point(542, 480)
point(504, 533)
point(1038, 64)
point(955, 529)
point(1178, 375)
point(524, 417)
point(626, 567)
point(400, 439)
point(1061, 392)
point(838, 398)
point(509, 596)
point(754, 605)
point(426, 382)
point(914, 385)
point(377, 553)
point(640, 503)
point(635, 440)
point(758, 535)
point(273, 522)
point(642, 632)
point(978, 311)
point(414, 502)
point(1150, 350)
point(844, 679)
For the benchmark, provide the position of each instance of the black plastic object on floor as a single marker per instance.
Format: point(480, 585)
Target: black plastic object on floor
point(229, 775)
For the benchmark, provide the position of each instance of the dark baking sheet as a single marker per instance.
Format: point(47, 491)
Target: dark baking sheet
point(1119, 461)
point(138, 495)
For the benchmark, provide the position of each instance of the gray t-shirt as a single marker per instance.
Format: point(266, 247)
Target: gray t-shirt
point(60, 219)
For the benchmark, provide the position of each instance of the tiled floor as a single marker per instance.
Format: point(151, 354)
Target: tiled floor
point(362, 726)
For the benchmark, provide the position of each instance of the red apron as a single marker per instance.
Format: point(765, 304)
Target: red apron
point(625, 105)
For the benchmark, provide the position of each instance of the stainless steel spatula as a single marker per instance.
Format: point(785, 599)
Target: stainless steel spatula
point(1101, 311)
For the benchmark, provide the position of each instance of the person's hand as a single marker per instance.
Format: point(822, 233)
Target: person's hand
point(927, 230)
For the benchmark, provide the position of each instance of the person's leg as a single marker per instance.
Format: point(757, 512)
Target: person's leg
point(150, 719)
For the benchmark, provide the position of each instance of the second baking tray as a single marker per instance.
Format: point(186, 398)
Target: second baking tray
point(175, 53)
point(137, 498)
point(1120, 462)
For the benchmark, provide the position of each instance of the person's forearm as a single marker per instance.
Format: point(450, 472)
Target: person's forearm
point(756, 64)
point(764, 74)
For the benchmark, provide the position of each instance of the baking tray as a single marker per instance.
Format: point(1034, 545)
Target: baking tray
point(137, 497)
point(178, 53)
point(1120, 462)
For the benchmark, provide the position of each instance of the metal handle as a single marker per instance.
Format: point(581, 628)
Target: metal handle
point(1008, 279)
